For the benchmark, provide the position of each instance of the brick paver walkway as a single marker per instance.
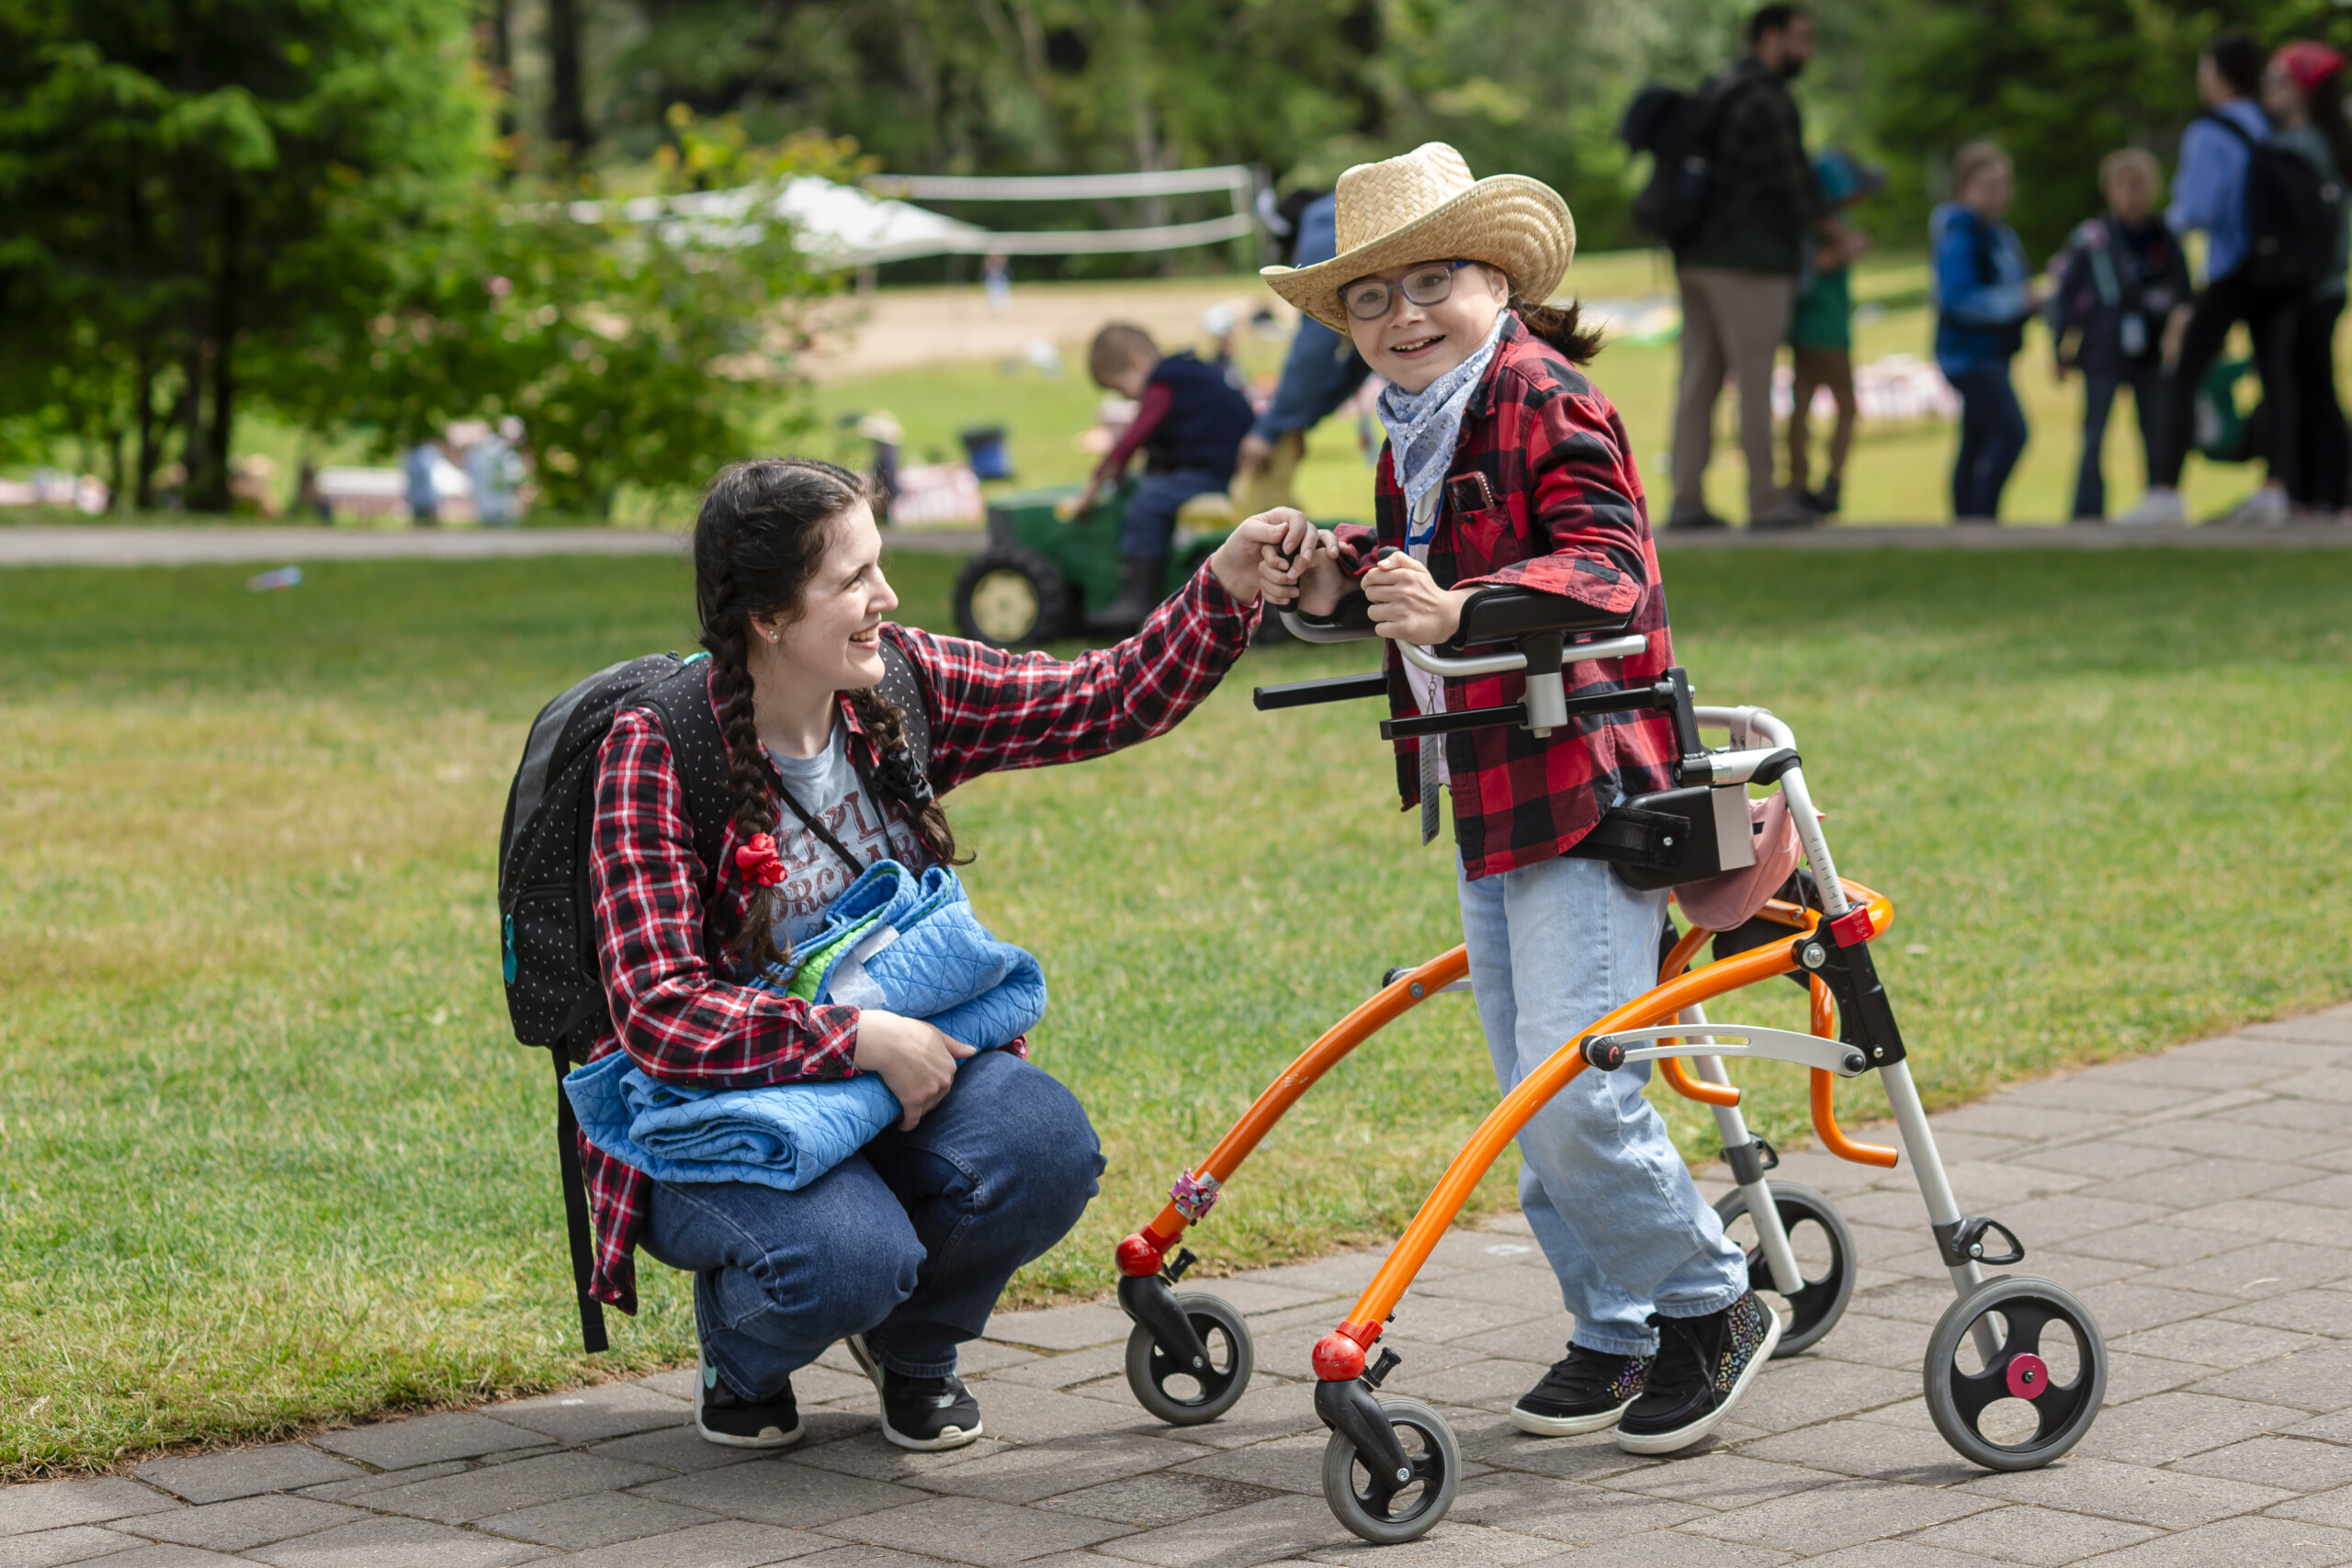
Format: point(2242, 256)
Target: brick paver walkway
point(2201, 1201)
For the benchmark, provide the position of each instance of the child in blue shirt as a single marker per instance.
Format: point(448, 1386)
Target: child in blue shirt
point(1984, 293)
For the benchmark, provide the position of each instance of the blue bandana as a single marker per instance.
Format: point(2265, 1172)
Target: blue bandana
point(1425, 427)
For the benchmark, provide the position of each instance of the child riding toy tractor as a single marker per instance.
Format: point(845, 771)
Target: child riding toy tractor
point(1041, 572)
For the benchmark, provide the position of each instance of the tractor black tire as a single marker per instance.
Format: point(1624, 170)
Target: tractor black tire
point(1010, 597)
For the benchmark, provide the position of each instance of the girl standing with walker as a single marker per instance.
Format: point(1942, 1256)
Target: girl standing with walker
point(1505, 465)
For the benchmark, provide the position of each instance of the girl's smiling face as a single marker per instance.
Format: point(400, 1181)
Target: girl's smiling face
point(1412, 345)
point(836, 639)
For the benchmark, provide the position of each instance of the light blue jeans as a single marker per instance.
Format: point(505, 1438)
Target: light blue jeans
point(1553, 947)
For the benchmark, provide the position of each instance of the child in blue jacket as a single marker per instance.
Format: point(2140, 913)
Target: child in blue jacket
point(1984, 294)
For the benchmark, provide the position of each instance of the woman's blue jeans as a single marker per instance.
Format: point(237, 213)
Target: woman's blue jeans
point(1554, 946)
point(1992, 438)
point(909, 1242)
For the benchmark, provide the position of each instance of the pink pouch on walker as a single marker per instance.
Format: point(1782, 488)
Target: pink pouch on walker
point(1721, 902)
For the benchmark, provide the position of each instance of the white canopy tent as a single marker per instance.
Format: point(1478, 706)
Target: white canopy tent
point(847, 226)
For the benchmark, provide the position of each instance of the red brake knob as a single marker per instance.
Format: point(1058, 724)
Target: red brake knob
point(1853, 925)
point(1337, 1358)
point(1137, 1257)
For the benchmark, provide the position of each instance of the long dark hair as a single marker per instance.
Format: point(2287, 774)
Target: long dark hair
point(762, 532)
point(2325, 101)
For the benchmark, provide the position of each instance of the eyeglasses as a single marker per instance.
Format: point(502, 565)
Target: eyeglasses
point(1370, 298)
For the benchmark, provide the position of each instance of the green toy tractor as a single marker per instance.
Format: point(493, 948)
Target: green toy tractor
point(1039, 575)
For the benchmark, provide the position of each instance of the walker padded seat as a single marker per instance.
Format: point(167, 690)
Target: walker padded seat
point(1504, 614)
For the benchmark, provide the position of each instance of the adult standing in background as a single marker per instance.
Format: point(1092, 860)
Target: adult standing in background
point(1738, 276)
point(1983, 294)
point(1322, 371)
point(2209, 193)
point(495, 471)
point(2303, 92)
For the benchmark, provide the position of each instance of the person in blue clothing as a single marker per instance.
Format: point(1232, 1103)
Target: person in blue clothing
point(2121, 277)
point(1322, 371)
point(2209, 192)
point(1983, 293)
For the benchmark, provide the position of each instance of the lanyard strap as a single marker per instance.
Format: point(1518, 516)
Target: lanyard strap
point(849, 860)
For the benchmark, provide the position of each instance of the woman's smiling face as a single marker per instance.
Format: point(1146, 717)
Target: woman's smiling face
point(836, 639)
point(1412, 345)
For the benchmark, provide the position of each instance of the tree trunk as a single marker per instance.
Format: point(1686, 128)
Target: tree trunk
point(212, 494)
point(501, 61)
point(145, 491)
point(567, 94)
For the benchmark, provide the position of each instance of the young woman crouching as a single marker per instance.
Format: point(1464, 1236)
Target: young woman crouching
point(903, 1248)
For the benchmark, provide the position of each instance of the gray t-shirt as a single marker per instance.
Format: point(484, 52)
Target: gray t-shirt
point(828, 787)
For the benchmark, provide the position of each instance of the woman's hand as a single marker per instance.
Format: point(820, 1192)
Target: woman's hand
point(1273, 554)
point(1407, 604)
point(915, 1060)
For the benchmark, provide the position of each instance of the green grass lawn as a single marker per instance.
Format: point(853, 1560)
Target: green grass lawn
point(269, 1156)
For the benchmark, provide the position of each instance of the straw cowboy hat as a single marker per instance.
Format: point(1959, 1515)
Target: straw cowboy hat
point(1425, 206)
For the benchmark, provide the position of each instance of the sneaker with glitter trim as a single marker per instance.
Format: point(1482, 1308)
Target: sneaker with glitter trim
point(1586, 1391)
point(1704, 1369)
point(722, 1415)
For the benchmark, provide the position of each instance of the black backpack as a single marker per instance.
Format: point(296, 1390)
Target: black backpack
point(1678, 130)
point(555, 987)
point(2292, 212)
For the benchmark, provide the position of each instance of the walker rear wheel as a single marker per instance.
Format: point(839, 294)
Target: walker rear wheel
point(1826, 1254)
point(1177, 1394)
point(2039, 1391)
point(1379, 1511)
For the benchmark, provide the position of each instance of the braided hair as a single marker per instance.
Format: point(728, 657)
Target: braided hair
point(762, 533)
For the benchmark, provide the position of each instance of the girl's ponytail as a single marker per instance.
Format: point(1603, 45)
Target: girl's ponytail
point(1562, 327)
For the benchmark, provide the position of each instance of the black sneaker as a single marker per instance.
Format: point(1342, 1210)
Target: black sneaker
point(925, 1414)
point(723, 1416)
point(1583, 1391)
point(1703, 1368)
point(1693, 521)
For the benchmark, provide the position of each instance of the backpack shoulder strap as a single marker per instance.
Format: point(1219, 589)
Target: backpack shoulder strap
point(681, 702)
point(2232, 127)
point(903, 688)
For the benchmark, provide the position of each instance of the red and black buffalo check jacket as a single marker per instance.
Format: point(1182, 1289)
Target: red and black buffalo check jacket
point(660, 939)
point(1568, 517)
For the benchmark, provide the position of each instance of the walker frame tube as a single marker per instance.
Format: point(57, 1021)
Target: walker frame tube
point(1144, 1252)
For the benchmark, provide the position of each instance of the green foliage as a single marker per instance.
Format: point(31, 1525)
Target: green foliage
point(2058, 86)
point(640, 338)
point(182, 181)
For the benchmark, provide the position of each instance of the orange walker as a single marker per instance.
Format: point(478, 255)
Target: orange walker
point(2004, 1392)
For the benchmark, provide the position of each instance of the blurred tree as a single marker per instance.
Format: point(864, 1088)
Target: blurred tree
point(184, 177)
point(640, 339)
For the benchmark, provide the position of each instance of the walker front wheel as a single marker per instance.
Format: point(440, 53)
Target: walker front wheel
point(1179, 1395)
point(1825, 1253)
point(2036, 1395)
point(1376, 1508)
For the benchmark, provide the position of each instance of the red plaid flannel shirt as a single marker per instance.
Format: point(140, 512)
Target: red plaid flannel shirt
point(675, 1011)
point(1569, 518)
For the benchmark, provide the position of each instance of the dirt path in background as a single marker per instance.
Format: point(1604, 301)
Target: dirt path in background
point(902, 328)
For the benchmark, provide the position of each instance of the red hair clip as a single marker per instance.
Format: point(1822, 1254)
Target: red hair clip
point(758, 860)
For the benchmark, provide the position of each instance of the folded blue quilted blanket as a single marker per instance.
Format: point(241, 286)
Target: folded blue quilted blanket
point(902, 943)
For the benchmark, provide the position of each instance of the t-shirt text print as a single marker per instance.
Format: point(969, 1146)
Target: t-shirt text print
point(827, 788)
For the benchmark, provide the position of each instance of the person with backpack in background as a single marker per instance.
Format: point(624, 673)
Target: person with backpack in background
point(1738, 248)
point(2213, 190)
point(2119, 278)
point(1821, 331)
point(2303, 92)
point(790, 735)
point(1984, 294)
